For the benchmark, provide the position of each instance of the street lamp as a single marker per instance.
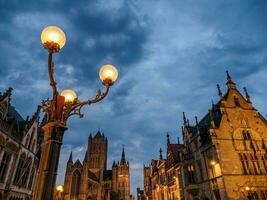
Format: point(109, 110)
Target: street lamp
point(57, 111)
point(59, 192)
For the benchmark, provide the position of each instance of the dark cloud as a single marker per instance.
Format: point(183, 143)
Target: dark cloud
point(170, 55)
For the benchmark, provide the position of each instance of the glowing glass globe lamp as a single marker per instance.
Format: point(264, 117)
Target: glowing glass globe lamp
point(69, 95)
point(53, 35)
point(108, 74)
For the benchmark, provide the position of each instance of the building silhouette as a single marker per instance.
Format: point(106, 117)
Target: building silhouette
point(223, 155)
point(19, 146)
point(91, 179)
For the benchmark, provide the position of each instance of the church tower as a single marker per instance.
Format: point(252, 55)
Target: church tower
point(91, 179)
point(97, 152)
point(121, 177)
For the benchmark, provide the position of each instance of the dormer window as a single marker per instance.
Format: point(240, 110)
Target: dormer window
point(236, 101)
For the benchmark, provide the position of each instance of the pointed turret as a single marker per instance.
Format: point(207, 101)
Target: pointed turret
point(184, 118)
point(168, 138)
point(182, 132)
point(123, 160)
point(114, 164)
point(247, 95)
point(160, 154)
point(196, 120)
point(70, 158)
point(219, 91)
point(230, 84)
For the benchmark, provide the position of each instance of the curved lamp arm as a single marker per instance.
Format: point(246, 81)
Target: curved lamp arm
point(75, 107)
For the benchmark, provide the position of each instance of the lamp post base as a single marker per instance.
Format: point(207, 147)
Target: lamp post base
point(47, 171)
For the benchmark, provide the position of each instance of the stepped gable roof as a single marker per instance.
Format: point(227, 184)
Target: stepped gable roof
point(107, 175)
point(92, 176)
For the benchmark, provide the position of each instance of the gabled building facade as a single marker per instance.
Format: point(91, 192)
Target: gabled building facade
point(19, 146)
point(91, 179)
point(223, 156)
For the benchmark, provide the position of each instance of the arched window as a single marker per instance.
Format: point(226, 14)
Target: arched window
point(75, 184)
point(246, 135)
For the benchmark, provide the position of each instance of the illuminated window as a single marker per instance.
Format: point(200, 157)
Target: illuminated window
point(190, 170)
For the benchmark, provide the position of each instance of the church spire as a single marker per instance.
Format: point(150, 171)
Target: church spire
point(160, 154)
point(184, 118)
point(230, 84)
point(85, 160)
point(123, 160)
point(168, 138)
point(70, 158)
point(178, 140)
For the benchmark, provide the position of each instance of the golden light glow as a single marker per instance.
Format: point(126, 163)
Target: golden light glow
point(213, 162)
point(69, 95)
point(108, 74)
point(53, 34)
point(247, 188)
point(60, 188)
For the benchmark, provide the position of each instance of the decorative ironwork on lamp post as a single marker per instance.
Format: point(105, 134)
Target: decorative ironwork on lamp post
point(57, 111)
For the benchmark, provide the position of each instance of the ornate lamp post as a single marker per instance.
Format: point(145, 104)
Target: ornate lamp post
point(57, 111)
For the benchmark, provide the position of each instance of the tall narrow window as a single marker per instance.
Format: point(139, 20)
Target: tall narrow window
point(200, 170)
point(190, 169)
point(244, 162)
point(26, 171)
point(19, 171)
point(4, 166)
point(31, 178)
point(264, 162)
point(75, 184)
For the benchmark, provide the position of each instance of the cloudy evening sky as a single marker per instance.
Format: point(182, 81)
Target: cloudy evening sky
point(170, 55)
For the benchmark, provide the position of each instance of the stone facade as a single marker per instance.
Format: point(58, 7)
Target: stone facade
point(19, 147)
point(91, 179)
point(223, 156)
